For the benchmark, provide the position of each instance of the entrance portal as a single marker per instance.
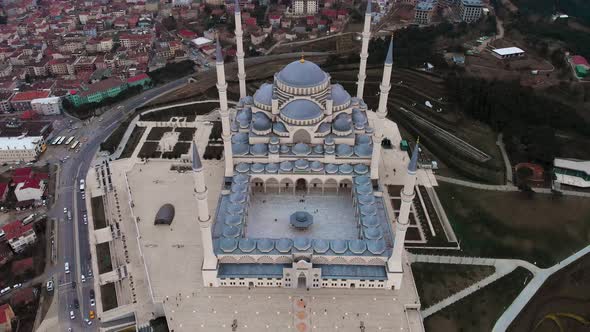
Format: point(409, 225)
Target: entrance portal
point(301, 281)
point(301, 185)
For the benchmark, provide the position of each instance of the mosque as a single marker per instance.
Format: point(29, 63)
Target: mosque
point(302, 201)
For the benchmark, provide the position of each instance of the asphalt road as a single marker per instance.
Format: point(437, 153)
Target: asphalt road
point(72, 241)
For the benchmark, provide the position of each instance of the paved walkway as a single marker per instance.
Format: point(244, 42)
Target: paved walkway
point(503, 267)
point(500, 144)
point(476, 185)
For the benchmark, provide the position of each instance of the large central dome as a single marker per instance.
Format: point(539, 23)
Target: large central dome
point(302, 73)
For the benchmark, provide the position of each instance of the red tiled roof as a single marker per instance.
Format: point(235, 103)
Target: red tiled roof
point(137, 78)
point(23, 296)
point(187, 33)
point(23, 172)
point(29, 95)
point(22, 265)
point(31, 183)
point(580, 60)
point(3, 316)
point(15, 229)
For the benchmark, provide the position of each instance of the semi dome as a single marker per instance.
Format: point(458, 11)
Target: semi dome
point(264, 94)
point(261, 122)
point(301, 110)
point(339, 95)
point(302, 73)
point(165, 215)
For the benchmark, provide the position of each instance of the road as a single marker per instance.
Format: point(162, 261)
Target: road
point(72, 236)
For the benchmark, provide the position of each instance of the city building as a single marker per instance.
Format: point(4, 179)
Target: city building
point(5, 106)
point(471, 10)
point(508, 52)
point(141, 79)
point(21, 149)
point(304, 8)
point(572, 172)
point(46, 106)
point(19, 236)
point(97, 92)
point(424, 11)
point(21, 101)
point(6, 317)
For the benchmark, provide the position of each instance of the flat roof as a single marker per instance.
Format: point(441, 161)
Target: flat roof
point(472, 3)
point(573, 164)
point(49, 100)
point(19, 143)
point(508, 50)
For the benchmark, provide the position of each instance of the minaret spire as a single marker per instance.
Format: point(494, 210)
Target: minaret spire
point(394, 264)
point(223, 110)
point(240, 49)
point(381, 112)
point(209, 267)
point(364, 52)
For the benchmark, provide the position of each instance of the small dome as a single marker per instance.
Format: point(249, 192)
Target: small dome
point(240, 149)
point(302, 73)
point(228, 244)
point(324, 128)
point(231, 231)
point(237, 197)
point(357, 246)
point(239, 188)
point(301, 109)
point(240, 138)
point(284, 245)
point(376, 247)
point(362, 180)
point(257, 168)
point(264, 94)
point(366, 199)
point(320, 246)
point(369, 221)
point(244, 117)
point(274, 140)
point(301, 164)
point(241, 178)
point(361, 169)
point(316, 166)
point(318, 149)
point(345, 169)
point(235, 209)
point(358, 116)
point(368, 210)
point(363, 150)
point(342, 123)
point(259, 149)
point(247, 245)
point(364, 189)
point(242, 167)
point(273, 148)
point(233, 220)
point(261, 122)
point(339, 95)
point(331, 168)
point(363, 139)
point(286, 166)
point(373, 233)
point(343, 150)
point(302, 243)
point(285, 149)
point(165, 215)
point(265, 245)
point(338, 246)
point(301, 149)
point(329, 140)
point(272, 168)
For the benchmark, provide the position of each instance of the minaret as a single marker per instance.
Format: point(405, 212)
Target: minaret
point(240, 49)
point(209, 267)
point(224, 111)
point(364, 52)
point(381, 112)
point(394, 264)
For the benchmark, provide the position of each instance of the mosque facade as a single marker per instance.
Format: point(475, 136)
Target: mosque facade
point(302, 138)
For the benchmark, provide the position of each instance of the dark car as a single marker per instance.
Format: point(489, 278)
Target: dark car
point(73, 285)
point(76, 304)
point(92, 293)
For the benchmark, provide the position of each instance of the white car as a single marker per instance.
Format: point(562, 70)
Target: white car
point(15, 286)
point(82, 278)
point(65, 210)
point(49, 285)
point(67, 267)
point(72, 316)
point(5, 290)
point(92, 302)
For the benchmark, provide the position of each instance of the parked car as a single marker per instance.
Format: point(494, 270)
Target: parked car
point(15, 286)
point(49, 285)
point(5, 290)
point(72, 316)
point(91, 314)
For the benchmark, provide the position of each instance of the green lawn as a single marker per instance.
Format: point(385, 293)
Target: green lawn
point(541, 229)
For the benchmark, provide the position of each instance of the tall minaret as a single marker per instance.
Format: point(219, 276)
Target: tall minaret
point(394, 264)
point(224, 110)
point(364, 52)
point(209, 267)
point(381, 112)
point(240, 49)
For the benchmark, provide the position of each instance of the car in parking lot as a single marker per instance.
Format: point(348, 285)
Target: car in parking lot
point(15, 286)
point(82, 278)
point(91, 314)
point(5, 290)
point(92, 303)
point(76, 304)
point(49, 285)
point(72, 316)
point(65, 210)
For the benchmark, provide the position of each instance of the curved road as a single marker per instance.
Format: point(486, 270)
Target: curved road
point(73, 246)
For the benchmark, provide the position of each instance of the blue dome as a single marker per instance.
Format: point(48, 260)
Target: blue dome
point(240, 138)
point(233, 220)
point(272, 168)
point(324, 128)
point(284, 245)
point(241, 178)
point(358, 117)
point(285, 149)
point(342, 123)
point(363, 139)
point(243, 167)
point(370, 221)
point(273, 148)
point(329, 140)
point(279, 127)
point(244, 117)
point(264, 94)
point(257, 168)
point(343, 150)
point(345, 169)
point(316, 166)
point(231, 231)
point(228, 244)
point(320, 246)
point(318, 149)
point(261, 122)
point(376, 247)
point(362, 180)
point(302, 73)
point(339, 95)
point(240, 149)
point(373, 233)
point(357, 246)
point(237, 197)
point(286, 166)
point(265, 245)
point(301, 149)
point(368, 210)
point(259, 149)
point(301, 164)
point(339, 246)
point(331, 168)
point(363, 150)
point(302, 243)
point(247, 245)
point(361, 169)
point(301, 109)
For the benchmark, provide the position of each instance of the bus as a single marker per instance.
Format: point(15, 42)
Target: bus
point(69, 140)
point(75, 145)
point(54, 141)
point(61, 140)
